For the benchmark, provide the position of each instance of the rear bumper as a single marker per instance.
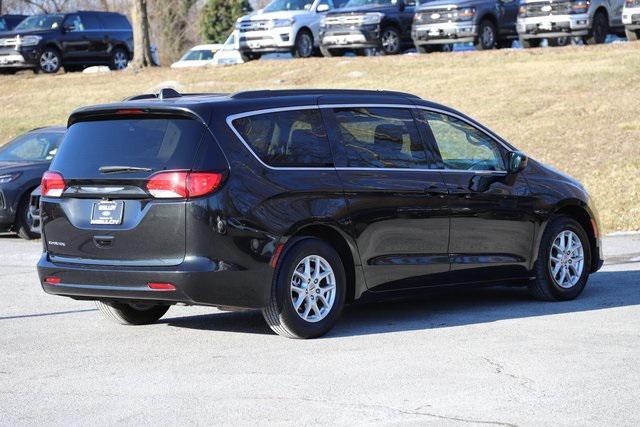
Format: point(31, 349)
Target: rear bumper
point(554, 26)
point(197, 281)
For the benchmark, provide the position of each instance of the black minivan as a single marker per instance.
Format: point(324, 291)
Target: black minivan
point(297, 202)
point(70, 40)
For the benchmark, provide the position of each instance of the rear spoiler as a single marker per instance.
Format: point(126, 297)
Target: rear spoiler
point(124, 110)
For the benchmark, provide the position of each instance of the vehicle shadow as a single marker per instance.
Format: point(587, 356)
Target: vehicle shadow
point(443, 308)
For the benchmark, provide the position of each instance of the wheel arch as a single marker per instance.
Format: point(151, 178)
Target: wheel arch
point(491, 18)
point(602, 9)
point(345, 247)
point(124, 47)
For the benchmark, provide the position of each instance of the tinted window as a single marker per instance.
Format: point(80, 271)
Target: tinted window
point(159, 144)
point(287, 138)
point(91, 22)
point(198, 55)
point(115, 21)
point(40, 22)
point(380, 138)
point(461, 145)
point(73, 23)
point(3, 25)
point(31, 147)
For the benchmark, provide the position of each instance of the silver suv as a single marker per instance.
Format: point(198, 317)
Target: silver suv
point(590, 20)
point(282, 26)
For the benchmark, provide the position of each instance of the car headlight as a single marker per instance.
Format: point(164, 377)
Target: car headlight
point(29, 40)
point(8, 177)
point(465, 14)
point(276, 23)
point(371, 18)
point(580, 6)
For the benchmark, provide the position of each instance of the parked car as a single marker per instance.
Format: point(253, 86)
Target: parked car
point(592, 20)
point(488, 24)
point(9, 22)
point(229, 53)
point(366, 26)
point(34, 211)
point(297, 202)
point(22, 163)
point(70, 40)
point(631, 19)
point(198, 56)
point(282, 26)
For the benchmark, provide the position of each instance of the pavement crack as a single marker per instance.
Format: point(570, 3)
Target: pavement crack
point(499, 368)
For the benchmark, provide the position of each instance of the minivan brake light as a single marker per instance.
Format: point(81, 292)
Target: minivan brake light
point(171, 185)
point(52, 184)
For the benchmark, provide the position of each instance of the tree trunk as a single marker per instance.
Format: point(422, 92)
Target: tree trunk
point(141, 40)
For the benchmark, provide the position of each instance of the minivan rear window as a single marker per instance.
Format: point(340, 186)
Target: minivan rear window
point(287, 138)
point(154, 143)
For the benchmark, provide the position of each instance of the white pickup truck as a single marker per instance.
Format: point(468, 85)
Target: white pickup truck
point(283, 26)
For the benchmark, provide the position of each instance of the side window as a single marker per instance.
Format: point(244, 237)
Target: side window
point(380, 138)
point(287, 138)
point(73, 23)
point(91, 22)
point(462, 146)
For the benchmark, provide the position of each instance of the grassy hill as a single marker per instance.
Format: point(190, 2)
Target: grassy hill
point(576, 108)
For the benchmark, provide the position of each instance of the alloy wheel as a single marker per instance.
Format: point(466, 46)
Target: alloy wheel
point(49, 62)
point(390, 41)
point(566, 259)
point(305, 45)
point(488, 38)
point(313, 288)
point(120, 60)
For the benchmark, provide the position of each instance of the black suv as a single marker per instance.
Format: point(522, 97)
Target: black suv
point(364, 26)
point(297, 202)
point(72, 40)
point(9, 22)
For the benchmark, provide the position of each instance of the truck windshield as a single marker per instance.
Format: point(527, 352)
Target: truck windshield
point(40, 22)
point(361, 3)
point(278, 5)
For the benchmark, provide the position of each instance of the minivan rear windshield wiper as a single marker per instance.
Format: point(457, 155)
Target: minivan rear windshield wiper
point(118, 169)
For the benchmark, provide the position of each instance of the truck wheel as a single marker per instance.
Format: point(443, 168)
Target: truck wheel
point(487, 37)
point(559, 41)
point(308, 292)
point(632, 35)
point(304, 45)
point(390, 41)
point(119, 59)
point(529, 43)
point(599, 29)
point(250, 56)
point(24, 220)
point(132, 314)
point(50, 60)
point(564, 261)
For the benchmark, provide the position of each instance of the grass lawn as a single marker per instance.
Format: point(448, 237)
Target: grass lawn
point(575, 108)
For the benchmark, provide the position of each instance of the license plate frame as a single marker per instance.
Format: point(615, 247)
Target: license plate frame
point(107, 212)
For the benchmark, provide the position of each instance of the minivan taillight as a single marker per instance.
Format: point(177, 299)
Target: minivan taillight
point(171, 185)
point(52, 184)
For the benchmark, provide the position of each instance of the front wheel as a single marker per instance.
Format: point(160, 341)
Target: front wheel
point(119, 60)
point(132, 313)
point(599, 30)
point(564, 261)
point(49, 61)
point(304, 45)
point(308, 292)
point(390, 41)
point(486, 39)
point(559, 41)
point(24, 220)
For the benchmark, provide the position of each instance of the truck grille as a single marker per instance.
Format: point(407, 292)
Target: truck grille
point(548, 8)
point(343, 21)
point(261, 25)
point(436, 16)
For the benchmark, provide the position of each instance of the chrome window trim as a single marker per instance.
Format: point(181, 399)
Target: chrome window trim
point(481, 128)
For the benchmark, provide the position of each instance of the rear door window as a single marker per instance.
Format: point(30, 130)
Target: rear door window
point(91, 22)
point(155, 143)
point(379, 138)
point(287, 138)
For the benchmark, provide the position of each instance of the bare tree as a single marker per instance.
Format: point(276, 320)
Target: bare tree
point(172, 19)
point(47, 6)
point(141, 40)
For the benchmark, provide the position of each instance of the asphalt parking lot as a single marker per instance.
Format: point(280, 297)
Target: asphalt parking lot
point(487, 356)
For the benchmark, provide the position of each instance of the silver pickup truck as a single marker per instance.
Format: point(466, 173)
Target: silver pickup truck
point(591, 20)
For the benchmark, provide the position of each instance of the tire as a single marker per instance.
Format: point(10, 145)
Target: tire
point(599, 29)
point(129, 314)
point(303, 47)
point(119, 59)
point(487, 36)
point(547, 288)
point(559, 41)
point(24, 220)
point(390, 41)
point(529, 43)
point(281, 315)
point(632, 35)
point(50, 60)
point(250, 56)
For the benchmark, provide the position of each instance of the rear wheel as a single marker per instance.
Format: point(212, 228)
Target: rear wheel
point(487, 36)
point(529, 43)
point(49, 61)
point(308, 292)
point(564, 261)
point(559, 41)
point(599, 29)
point(132, 313)
point(390, 41)
point(632, 35)
point(250, 56)
point(24, 220)
point(304, 45)
point(119, 59)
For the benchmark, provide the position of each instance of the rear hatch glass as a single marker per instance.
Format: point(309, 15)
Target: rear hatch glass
point(106, 165)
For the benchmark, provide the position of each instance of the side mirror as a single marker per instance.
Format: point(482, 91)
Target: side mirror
point(517, 161)
point(322, 7)
point(401, 5)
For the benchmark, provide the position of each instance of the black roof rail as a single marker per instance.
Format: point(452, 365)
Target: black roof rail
point(168, 93)
point(293, 92)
